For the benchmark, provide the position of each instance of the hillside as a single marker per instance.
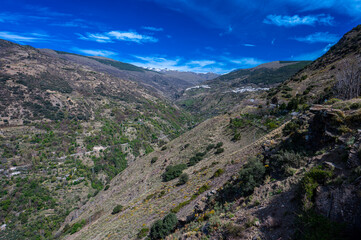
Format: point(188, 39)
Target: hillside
point(218, 95)
point(280, 171)
point(66, 130)
point(316, 83)
point(166, 83)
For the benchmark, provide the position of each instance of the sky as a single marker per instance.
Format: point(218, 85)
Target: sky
point(186, 35)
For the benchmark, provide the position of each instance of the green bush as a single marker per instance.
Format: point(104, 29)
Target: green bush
point(210, 147)
point(219, 151)
point(117, 209)
point(154, 159)
point(250, 176)
point(77, 226)
point(220, 144)
point(312, 226)
point(162, 228)
point(218, 173)
point(291, 127)
point(172, 172)
point(143, 233)
point(183, 179)
point(283, 161)
point(310, 182)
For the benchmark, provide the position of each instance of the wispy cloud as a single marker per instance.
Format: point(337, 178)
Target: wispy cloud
point(96, 37)
point(319, 37)
point(179, 64)
point(46, 11)
point(292, 21)
point(201, 63)
point(96, 52)
point(23, 38)
point(154, 29)
point(108, 37)
point(16, 18)
point(248, 45)
point(76, 23)
point(246, 62)
point(131, 36)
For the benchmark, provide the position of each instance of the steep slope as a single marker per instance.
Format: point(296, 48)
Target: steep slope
point(145, 197)
point(65, 131)
point(219, 95)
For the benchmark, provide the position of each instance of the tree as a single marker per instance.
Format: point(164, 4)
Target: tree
point(348, 78)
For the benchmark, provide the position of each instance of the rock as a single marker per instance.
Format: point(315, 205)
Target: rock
point(271, 222)
point(200, 206)
point(3, 227)
point(329, 165)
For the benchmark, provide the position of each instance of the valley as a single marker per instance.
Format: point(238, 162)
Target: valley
point(93, 148)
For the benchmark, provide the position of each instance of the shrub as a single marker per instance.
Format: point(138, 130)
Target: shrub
point(220, 144)
point(163, 148)
point(355, 106)
point(219, 151)
point(233, 230)
point(117, 209)
point(250, 176)
point(162, 228)
point(183, 179)
point(77, 226)
point(284, 161)
point(143, 233)
point(310, 182)
point(172, 172)
point(154, 159)
point(315, 226)
point(291, 127)
point(218, 173)
point(210, 147)
point(106, 187)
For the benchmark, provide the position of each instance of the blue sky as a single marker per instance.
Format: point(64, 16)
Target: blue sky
point(199, 35)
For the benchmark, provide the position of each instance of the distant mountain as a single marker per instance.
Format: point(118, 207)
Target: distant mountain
point(191, 77)
point(220, 94)
point(167, 83)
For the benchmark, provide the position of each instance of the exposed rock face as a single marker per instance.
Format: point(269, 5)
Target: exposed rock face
point(342, 204)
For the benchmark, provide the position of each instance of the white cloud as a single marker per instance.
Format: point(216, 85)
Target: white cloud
point(111, 36)
point(178, 64)
point(95, 52)
point(154, 29)
point(97, 37)
point(319, 37)
point(291, 21)
point(248, 45)
point(28, 37)
point(246, 62)
point(201, 63)
point(131, 36)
